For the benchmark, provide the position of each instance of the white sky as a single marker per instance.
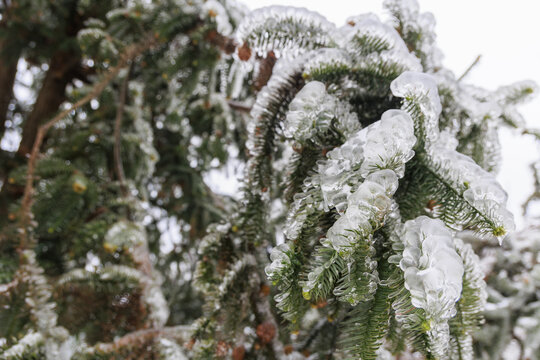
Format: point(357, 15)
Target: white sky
point(505, 33)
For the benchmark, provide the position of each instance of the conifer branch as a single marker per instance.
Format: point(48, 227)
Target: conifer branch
point(118, 166)
point(468, 70)
point(129, 54)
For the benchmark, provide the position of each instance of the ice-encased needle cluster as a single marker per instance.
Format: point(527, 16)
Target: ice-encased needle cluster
point(366, 209)
point(370, 41)
point(321, 58)
point(129, 236)
point(358, 179)
point(281, 262)
point(412, 21)
point(422, 89)
point(433, 273)
point(285, 30)
point(477, 186)
point(376, 154)
point(363, 209)
point(386, 144)
point(213, 9)
point(270, 101)
point(313, 111)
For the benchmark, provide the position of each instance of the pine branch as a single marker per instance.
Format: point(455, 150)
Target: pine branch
point(367, 324)
point(118, 167)
point(468, 70)
point(129, 54)
point(179, 333)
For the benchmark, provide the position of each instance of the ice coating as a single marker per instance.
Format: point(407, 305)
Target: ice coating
point(473, 281)
point(412, 22)
point(123, 235)
point(479, 187)
point(386, 144)
point(337, 172)
point(309, 112)
point(283, 77)
point(313, 111)
point(366, 209)
point(280, 261)
point(232, 274)
point(474, 275)
point(322, 58)
point(286, 30)
point(368, 26)
point(517, 92)
point(371, 42)
point(305, 203)
point(422, 89)
point(31, 341)
point(213, 9)
point(433, 273)
point(131, 237)
point(389, 143)
point(386, 178)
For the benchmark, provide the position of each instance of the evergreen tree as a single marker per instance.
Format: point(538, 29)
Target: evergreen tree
point(368, 220)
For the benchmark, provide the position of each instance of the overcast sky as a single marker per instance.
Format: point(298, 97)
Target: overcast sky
point(505, 33)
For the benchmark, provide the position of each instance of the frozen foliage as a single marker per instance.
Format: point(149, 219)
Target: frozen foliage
point(389, 143)
point(325, 57)
point(123, 235)
point(369, 41)
point(313, 111)
point(284, 30)
point(433, 273)
point(43, 314)
point(417, 30)
point(423, 89)
point(474, 287)
point(479, 188)
point(386, 144)
point(269, 100)
point(170, 350)
point(29, 342)
point(305, 204)
point(213, 9)
point(309, 112)
point(515, 93)
point(131, 237)
point(345, 135)
point(365, 212)
point(281, 261)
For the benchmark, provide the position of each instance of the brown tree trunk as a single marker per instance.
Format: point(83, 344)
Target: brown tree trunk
point(8, 70)
point(63, 67)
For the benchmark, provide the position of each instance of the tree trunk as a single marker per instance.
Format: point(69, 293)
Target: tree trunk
point(63, 67)
point(8, 70)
